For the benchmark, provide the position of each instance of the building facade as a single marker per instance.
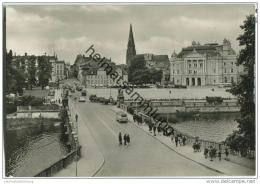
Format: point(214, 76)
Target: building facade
point(90, 74)
point(99, 78)
point(200, 65)
point(58, 70)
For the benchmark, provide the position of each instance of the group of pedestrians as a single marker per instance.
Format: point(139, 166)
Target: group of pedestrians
point(179, 139)
point(125, 138)
point(213, 153)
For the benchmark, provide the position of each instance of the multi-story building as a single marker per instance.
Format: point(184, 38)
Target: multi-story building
point(91, 74)
point(209, 64)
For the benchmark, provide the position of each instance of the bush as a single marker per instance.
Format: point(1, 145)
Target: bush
point(10, 108)
point(214, 100)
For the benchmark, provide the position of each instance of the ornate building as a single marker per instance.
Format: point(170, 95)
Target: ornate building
point(131, 52)
point(209, 64)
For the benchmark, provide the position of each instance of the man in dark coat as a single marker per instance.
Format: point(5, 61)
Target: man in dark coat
point(76, 117)
point(154, 130)
point(176, 140)
point(125, 139)
point(128, 139)
point(120, 138)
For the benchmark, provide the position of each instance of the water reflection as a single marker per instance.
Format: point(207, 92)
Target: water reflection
point(33, 154)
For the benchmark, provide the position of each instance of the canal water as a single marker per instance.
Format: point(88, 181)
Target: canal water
point(31, 155)
point(213, 127)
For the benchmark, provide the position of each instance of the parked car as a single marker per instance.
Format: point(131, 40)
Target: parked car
point(84, 92)
point(92, 98)
point(82, 99)
point(121, 117)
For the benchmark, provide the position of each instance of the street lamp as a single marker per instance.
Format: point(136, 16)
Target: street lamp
point(196, 116)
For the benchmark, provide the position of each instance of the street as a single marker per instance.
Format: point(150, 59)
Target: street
point(145, 156)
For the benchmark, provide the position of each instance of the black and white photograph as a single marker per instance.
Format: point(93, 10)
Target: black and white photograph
point(129, 90)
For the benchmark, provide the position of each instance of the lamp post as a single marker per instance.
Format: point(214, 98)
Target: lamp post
point(196, 116)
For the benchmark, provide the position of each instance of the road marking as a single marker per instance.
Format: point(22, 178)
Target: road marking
point(104, 123)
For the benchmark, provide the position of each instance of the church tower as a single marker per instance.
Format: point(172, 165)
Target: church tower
point(130, 53)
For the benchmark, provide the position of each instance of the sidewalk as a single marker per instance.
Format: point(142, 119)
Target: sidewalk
point(225, 167)
point(91, 158)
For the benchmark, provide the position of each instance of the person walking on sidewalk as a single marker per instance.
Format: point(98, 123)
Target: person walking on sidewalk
point(76, 117)
point(154, 129)
point(176, 140)
point(172, 136)
point(227, 153)
point(120, 138)
point(211, 154)
point(184, 140)
point(125, 139)
point(219, 155)
point(206, 151)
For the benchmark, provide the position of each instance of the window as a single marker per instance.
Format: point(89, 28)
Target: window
point(231, 70)
point(225, 79)
point(225, 70)
point(201, 65)
point(189, 65)
point(195, 65)
point(232, 79)
point(177, 71)
point(232, 63)
point(214, 70)
point(224, 63)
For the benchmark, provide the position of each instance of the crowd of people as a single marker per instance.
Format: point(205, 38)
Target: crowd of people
point(212, 153)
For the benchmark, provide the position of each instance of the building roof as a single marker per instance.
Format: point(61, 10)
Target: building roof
point(210, 49)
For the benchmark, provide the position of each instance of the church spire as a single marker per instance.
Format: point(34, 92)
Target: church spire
point(131, 52)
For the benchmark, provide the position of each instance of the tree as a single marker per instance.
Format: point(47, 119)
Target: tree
point(31, 72)
point(244, 90)
point(45, 70)
point(15, 77)
point(138, 73)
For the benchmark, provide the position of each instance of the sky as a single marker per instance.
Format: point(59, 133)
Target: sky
point(69, 30)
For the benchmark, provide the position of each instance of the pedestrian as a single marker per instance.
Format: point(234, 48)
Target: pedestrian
point(76, 117)
point(172, 136)
point(120, 138)
point(219, 155)
point(184, 140)
point(206, 151)
point(128, 139)
point(134, 118)
point(125, 139)
point(150, 127)
point(211, 154)
point(176, 140)
point(154, 130)
point(227, 153)
point(180, 139)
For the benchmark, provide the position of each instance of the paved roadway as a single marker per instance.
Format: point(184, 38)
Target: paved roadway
point(145, 156)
